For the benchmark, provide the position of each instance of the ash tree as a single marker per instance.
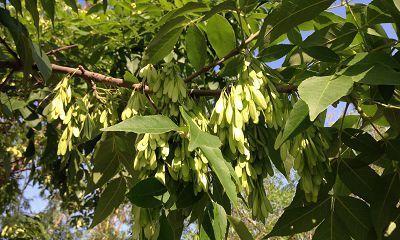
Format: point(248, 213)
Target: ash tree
point(173, 107)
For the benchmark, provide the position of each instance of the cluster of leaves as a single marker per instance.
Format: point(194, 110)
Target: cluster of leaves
point(170, 166)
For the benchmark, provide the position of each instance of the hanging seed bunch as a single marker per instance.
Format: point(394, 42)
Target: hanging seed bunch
point(63, 94)
point(310, 161)
point(168, 86)
point(252, 99)
point(246, 101)
point(151, 148)
point(72, 121)
point(134, 106)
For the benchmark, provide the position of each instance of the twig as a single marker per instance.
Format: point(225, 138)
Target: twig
point(151, 101)
point(366, 118)
point(341, 131)
point(54, 51)
point(8, 77)
point(9, 49)
point(15, 171)
point(387, 45)
point(342, 4)
point(217, 62)
point(346, 2)
point(97, 77)
point(91, 83)
point(384, 105)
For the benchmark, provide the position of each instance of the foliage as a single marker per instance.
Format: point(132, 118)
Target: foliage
point(194, 121)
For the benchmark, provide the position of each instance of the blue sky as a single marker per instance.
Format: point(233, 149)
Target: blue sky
point(39, 204)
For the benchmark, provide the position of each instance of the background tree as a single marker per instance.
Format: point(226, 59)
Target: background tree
point(172, 107)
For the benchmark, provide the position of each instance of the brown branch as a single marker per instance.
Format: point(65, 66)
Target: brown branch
point(97, 77)
point(152, 103)
point(100, 78)
point(54, 51)
point(217, 62)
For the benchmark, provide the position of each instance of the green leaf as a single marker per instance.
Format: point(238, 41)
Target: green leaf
point(221, 35)
point(21, 39)
point(331, 229)
point(155, 124)
point(219, 166)
point(275, 52)
point(397, 4)
point(196, 47)
point(198, 208)
point(300, 219)
point(354, 214)
point(72, 4)
point(227, 5)
point(294, 36)
point(160, 47)
point(170, 25)
point(130, 78)
point(320, 92)
point(197, 137)
point(240, 228)
point(42, 61)
point(110, 199)
point(166, 231)
point(111, 152)
point(337, 36)
point(95, 9)
point(32, 7)
point(12, 103)
point(144, 192)
point(209, 145)
point(361, 182)
point(207, 231)
point(376, 74)
point(187, 197)
point(392, 148)
point(372, 58)
point(232, 67)
point(363, 159)
point(49, 8)
point(393, 117)
point(322, 54)
point(296, 117)
point(190, 7)
point(386, 198)
point(360, 141)
point(219, 221)
point(267, 136)
point(349, 122)
point(379, 12)
point(176, 219)
point(288, 15)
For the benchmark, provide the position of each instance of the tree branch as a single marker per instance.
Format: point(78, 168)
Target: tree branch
point(97, 77)
point(100, 78)
point(54, 51)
